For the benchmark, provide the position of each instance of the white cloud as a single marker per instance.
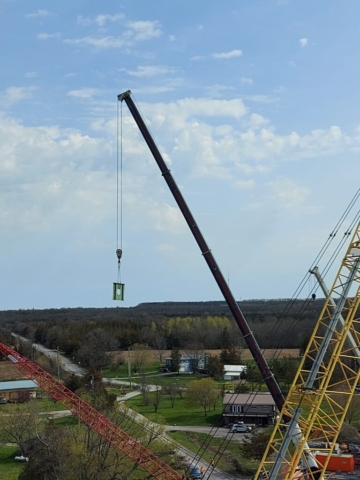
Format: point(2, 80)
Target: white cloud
point(226, 55)
point(285, 194)
point(245, 80)
point(100, 19)
point(98, 42)
point(261, 98)
point(150, 71)
point(303, 42)
point(144, 30)
point(245, 184)
point(136, 32)
point(200, 27)
point(172, 38)
point(198, 57)
point(40, 13)
point(292, 63)
point(83, 93)
point(46, 36)
point(15, 94)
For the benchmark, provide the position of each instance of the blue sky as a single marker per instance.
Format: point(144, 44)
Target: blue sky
point(254, 105)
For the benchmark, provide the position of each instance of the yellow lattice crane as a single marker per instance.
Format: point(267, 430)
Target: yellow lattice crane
point(319, 398)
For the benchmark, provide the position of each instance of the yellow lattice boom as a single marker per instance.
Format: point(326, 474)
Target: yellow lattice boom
point(319, 398)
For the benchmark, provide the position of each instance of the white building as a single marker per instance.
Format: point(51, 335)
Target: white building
point(234, 372)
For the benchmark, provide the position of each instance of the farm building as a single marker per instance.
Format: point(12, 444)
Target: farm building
point(12, 391)
point(234, 372)
point(251, 408)
point(190, 363)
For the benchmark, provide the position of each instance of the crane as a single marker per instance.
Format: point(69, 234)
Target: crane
point(306, 398)
point(88, 414)
point(323, 387)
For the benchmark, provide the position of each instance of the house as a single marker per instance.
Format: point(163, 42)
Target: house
point(12, 391)
point(234, 372)
point(190, 362)
point(251, 408)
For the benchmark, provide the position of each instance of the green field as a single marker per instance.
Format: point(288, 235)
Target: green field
point(179, 414)
point(9, 468)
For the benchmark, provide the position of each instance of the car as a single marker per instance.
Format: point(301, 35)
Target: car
point(195, 474)
point(240, 429)
point(2, 400)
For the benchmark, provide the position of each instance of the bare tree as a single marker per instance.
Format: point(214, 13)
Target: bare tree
point(20, 425)
point(158, 396)
point(173, 390)
point(139, 355)
point(159, 343)
point(144, 389)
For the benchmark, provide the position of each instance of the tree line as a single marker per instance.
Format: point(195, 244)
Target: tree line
point(73, 329)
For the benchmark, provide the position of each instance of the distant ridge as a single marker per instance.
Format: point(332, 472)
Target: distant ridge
point(250, 308)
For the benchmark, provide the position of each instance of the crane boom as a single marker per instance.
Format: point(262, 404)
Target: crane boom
point(133, 449)
point(269, 379)
point(325, 383)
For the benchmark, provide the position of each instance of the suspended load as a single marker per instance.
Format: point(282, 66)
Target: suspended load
point(118, 288)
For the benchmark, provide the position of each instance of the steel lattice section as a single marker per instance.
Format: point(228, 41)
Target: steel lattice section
point(133, 449)
point(322, 390)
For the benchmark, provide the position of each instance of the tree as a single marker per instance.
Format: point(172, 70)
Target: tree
point(175, 360)
point(215, 367)
point(20, 425)
point(202, 393)
point(230, 356)
point(157, 397)
point(93, 352)
point(254, 446)
point(144, 389)
point(159, 343)
point(139, 355)
point(173, 390)
point(253, 375)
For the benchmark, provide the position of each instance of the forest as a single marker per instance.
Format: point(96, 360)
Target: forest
point(280, 323)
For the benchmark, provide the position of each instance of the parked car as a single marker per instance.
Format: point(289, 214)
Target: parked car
point(195, 474)
point(2, 400)
point(240, 429)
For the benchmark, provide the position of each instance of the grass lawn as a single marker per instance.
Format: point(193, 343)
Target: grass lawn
point(193, 441)
point(178, 415)
point(123, 372)
point(9, 468)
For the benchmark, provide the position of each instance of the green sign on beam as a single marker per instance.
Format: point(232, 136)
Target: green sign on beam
point(118, 291)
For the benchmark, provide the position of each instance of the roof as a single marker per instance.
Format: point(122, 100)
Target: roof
point(17, 385)
point(248, 398)
point(234, 368)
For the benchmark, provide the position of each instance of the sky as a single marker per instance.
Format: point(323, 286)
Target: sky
point(254, 106)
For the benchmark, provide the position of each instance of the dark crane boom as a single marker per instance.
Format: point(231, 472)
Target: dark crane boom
point(249, 338)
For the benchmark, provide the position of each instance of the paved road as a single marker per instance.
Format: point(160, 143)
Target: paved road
point(65, 363)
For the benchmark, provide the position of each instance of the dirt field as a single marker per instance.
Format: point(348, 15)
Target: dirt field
point(152, 356)
point(9, 372)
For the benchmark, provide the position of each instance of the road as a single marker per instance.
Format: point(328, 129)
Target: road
point(65, 363)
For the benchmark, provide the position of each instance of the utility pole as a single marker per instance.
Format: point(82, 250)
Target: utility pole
point(58, 362)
